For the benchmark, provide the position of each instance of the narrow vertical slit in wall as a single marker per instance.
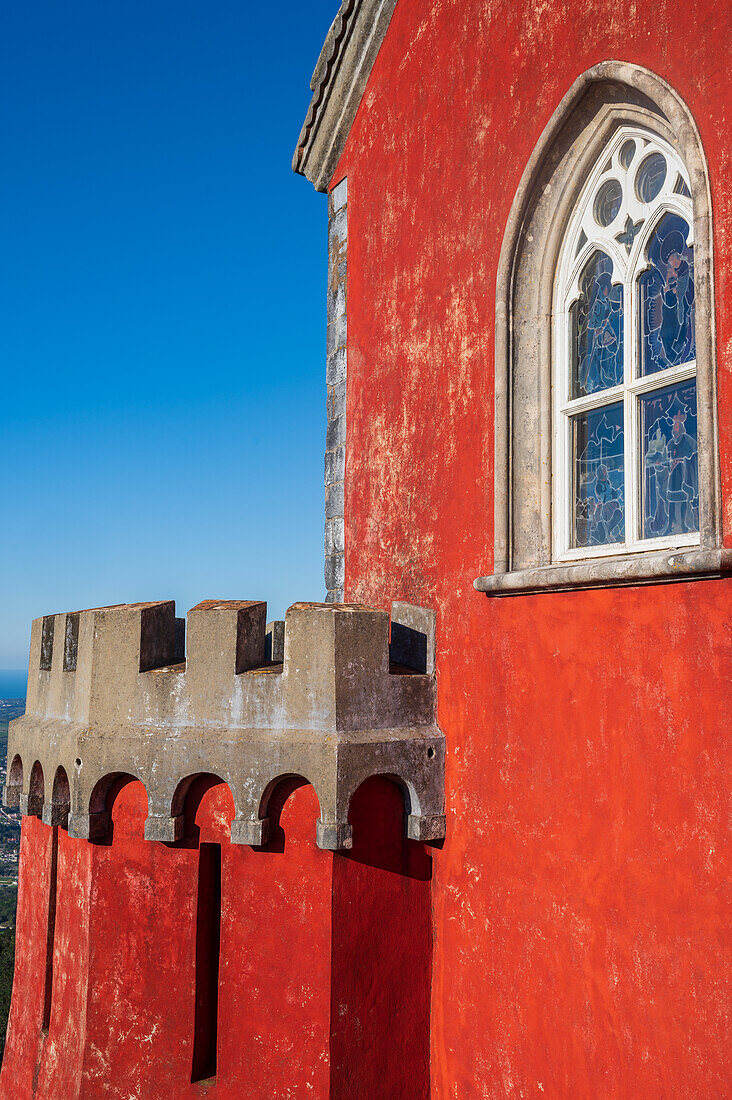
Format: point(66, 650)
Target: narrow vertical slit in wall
point(51, 929)
point(208, 944)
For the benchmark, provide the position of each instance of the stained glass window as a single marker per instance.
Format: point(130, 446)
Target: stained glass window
point(670, 461)
point(608, 201)
point(597, 329)
point(667, 298)
point(627, 152)
point(625, 393)
point(650, 177)
point(598, 490)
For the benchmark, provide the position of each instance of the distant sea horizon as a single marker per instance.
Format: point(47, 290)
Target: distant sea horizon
point(13, 683)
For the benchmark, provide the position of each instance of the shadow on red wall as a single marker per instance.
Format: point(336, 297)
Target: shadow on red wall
point(284, 970)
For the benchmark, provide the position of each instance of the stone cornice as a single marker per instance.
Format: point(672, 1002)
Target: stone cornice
point(338, 84)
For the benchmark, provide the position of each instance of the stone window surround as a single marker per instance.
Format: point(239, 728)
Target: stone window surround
point(600, 101)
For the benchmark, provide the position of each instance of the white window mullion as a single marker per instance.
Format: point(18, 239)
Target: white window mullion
point(660, 379)
point(630, 328)
point(568, 509)
point(594, 400)
point(633, 469)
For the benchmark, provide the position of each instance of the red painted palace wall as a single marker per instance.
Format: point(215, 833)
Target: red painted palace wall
point(579, 942)
point(321, 986)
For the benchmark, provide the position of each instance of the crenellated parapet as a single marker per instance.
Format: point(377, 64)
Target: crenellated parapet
point(134, 691)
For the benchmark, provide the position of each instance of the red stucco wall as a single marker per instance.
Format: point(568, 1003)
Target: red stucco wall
point(324, 971)
point(579, 940)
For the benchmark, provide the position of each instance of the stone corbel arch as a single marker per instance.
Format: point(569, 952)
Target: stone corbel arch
point(602, 99)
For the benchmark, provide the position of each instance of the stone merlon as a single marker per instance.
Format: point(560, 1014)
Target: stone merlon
point(111, 693)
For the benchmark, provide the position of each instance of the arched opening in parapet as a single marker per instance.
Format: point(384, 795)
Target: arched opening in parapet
point(36, 790)
point(119, 804)
point(205, 801)
point(15, 774)
point(291, 805)
point(14, 782)
point(377, 813)
point(60, 797)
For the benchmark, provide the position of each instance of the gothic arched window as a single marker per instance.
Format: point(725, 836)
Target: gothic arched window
point(625, 466)
point(605, 433)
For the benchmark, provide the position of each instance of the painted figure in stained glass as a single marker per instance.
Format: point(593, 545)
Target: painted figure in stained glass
point(667, 298)
point(597, 336)
point(671, 480)
point(599, 502)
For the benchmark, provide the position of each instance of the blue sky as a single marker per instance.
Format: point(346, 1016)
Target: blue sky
point(163, 322)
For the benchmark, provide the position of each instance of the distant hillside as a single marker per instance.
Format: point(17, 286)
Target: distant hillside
point(9, 823)
point(9, 709)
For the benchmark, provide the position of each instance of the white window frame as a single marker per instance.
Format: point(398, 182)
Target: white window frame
point(627, 268)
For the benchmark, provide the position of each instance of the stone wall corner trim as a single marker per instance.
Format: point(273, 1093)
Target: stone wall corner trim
point(338, 84)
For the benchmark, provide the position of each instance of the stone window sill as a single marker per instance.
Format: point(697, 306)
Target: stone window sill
point(658, 567)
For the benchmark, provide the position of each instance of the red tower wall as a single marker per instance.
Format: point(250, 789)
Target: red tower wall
point(323, 982)
point(579, 939)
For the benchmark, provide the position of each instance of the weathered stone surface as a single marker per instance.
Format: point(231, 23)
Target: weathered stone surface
point(339, 196)
point(334, 572)
point(332, 712)
point(335, 434)
point(341, 330)
point(629, 569)
point(337, 229)
point(335, 376)
point(335, 370)
point(336, 401)
point(334, 500)
point(336, 297)
point(334, 536)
